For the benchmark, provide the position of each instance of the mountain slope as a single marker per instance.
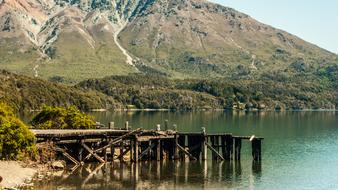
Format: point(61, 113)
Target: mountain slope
point(199, 38)
point(78, 39)
point(26, 93)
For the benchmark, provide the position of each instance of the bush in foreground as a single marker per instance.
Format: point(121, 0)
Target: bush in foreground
point(62, 118)
point(16, 140)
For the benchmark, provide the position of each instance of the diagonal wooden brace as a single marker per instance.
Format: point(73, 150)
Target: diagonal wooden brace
point(214, 150)
point(92, 152)
point(186, 152)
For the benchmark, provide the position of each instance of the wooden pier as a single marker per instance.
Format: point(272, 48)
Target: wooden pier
point(104, 145)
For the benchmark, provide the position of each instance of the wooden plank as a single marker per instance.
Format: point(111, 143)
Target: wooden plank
point(146, 151)
point(214, 150)
point(119, 139)
point(91, 152)
point(186, 152)
point(64, 153)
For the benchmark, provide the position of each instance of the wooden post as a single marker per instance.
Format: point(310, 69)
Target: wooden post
point(229, 143)
point(256, 149)
point(126, 125)
point(80, 157)
point(121, 151)
point(204, 140)
point(166, 125)
point(112, 152)
point(131, 151)
point(136, 146)
point(176, 156)
point(158, 150)
point(238, 146)
point(111, 125)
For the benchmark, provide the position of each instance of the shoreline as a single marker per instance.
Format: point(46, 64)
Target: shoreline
point(18, 174)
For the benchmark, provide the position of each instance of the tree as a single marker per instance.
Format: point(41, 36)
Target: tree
point(62, 118)
point(16, 140)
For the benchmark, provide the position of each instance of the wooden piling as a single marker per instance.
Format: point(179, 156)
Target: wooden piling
point(126, 125)
point(238, 146)
point(204, 141)
point(111, 125)
point(256, 149)
point(158, 150)
point(136, 151)
point(229, 143)
point(147, 144)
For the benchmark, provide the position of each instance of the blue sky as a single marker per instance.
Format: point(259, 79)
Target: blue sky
point(315, 21)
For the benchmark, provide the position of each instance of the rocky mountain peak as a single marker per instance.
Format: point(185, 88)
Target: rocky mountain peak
point(181, 38)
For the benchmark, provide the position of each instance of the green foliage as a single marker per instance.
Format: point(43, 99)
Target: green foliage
point(62, 118)
point(157, 92)
point(26, 94)
point(16, 139)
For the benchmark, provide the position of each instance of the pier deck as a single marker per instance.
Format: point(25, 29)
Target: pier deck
point(103, 145)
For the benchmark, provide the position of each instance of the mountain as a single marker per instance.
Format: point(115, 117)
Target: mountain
point(73, 40)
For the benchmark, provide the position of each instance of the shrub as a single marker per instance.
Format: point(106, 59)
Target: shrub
point(62, 118)
point(16, 141)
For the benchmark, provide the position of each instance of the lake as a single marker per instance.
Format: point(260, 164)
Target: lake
point(300, 151)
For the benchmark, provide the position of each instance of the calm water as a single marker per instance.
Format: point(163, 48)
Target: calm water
point(300, 151)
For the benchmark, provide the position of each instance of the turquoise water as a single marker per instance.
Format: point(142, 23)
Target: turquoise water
point(300, 151)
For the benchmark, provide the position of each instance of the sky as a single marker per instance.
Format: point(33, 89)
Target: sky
point(315, 21)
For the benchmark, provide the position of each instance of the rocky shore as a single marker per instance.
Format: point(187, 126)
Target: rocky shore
point(16, 174)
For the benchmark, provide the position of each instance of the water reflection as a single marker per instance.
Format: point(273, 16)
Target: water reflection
point(150, 175)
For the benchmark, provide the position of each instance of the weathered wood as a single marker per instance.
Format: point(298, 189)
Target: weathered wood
point(204, 147)
point(121, 151)
point(238, 146)
point(111, 125)
point(229, 143)
point(67, 155)
point(136, 149)
point(119, 139)
point(91, 152)
point(214, 151)
point(256, 149)
point(181, 142)
point(186, 152)
point(158, 150)
point(126, 126)
point(175, 143)
point(151, 146)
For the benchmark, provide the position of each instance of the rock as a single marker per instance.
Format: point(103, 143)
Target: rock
point(261, 106)
point(58, 165)
point(249, 106)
